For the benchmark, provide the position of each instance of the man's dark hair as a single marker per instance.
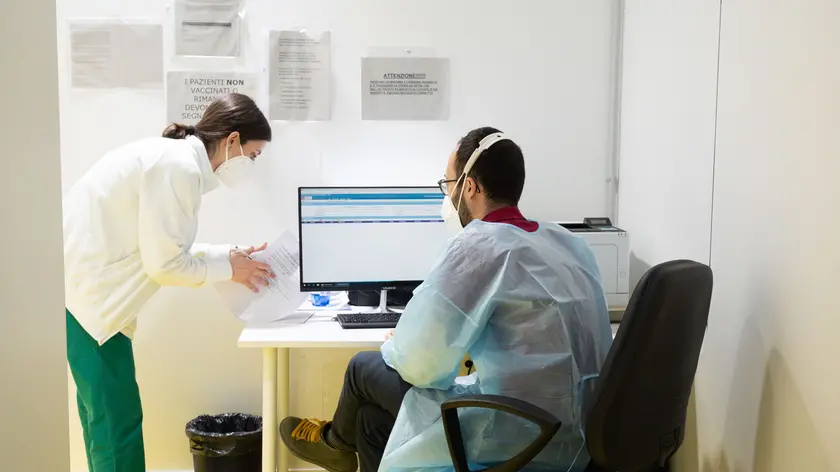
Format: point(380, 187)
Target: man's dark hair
point(499, 171)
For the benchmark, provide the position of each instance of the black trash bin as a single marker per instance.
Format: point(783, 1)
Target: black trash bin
point(226, 443)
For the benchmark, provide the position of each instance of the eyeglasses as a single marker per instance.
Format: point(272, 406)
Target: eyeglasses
point(444, 185)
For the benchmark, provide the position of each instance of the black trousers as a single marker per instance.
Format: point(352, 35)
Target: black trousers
point(367, 408)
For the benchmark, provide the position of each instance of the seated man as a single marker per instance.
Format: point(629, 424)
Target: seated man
point(524, 299)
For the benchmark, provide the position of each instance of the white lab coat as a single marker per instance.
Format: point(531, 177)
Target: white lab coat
point(129, 227)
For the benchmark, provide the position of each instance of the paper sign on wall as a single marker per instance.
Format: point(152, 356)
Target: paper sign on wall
point(115, 54)
point(189, 93)
point(405, 88)
point(208, 28)
point(299, 76)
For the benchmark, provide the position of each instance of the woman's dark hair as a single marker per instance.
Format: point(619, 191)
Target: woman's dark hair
point(229, 113)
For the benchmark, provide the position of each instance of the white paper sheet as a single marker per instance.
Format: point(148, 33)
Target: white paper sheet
point(111, 54)
point(299, 76)
point(282, 297)
point(188, 93)
point(208, 28)
point(405, 88)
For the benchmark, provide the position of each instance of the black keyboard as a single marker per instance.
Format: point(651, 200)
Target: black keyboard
point(368, 320)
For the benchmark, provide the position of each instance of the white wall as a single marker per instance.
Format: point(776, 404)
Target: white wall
point(33, 368)
point(544, 73)
point(669, 84)
point(767, 384)
point(669, 81)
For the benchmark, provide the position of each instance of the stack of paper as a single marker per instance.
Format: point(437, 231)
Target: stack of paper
point(281, 297)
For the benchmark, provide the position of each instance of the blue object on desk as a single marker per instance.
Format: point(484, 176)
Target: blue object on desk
point(320, 299)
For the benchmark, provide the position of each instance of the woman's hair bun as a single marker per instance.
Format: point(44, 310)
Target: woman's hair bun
point(178, 131)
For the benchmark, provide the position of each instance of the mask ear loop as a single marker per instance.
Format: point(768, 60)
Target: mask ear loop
point(461, 196)
point(483, 145)
point(227, 150)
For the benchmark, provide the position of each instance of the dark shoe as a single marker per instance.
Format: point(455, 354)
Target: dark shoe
point(305, 440)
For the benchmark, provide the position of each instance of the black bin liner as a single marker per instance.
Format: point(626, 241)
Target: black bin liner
point(226, 443)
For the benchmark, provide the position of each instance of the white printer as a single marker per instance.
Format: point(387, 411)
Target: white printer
point(611, 246)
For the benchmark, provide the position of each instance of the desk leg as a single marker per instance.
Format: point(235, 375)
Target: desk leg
point(282, 403)
point(269, 410)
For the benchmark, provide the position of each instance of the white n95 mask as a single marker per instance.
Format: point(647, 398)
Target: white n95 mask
point(237, 170)
point(450, 216)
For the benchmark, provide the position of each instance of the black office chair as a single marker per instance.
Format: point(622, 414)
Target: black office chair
point(636, 421)
point(548, 423)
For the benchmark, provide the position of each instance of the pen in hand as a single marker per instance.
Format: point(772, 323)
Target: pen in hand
point(248, 271)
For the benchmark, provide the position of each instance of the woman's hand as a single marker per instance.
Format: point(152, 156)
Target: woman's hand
point(248, 272)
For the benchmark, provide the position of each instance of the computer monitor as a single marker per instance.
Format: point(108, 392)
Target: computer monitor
point(368, 238)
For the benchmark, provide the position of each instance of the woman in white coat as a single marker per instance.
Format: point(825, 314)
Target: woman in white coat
point(129, 227)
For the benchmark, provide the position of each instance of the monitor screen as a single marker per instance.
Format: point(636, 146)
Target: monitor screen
point(367, 238)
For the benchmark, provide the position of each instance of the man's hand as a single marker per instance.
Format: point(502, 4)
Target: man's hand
point(247, 271)
point(389, 335)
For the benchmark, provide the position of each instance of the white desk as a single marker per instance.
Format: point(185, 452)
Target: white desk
point(301, 330)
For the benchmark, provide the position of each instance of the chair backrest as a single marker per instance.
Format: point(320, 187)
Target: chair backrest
point(637, 417)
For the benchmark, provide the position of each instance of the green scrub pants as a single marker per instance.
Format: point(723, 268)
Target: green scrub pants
point(108, 400)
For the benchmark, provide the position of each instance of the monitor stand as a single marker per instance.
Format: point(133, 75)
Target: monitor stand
point(383, 304)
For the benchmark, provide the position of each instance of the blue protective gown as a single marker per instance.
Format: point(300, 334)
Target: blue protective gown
point(530, 310)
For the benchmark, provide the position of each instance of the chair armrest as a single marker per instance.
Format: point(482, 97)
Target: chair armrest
point(548, 423)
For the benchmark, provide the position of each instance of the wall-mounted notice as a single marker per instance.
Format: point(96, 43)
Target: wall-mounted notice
point(208, 28)
point(188, 93)
point(405, 88)
point(299, 76)
point(109, 54)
